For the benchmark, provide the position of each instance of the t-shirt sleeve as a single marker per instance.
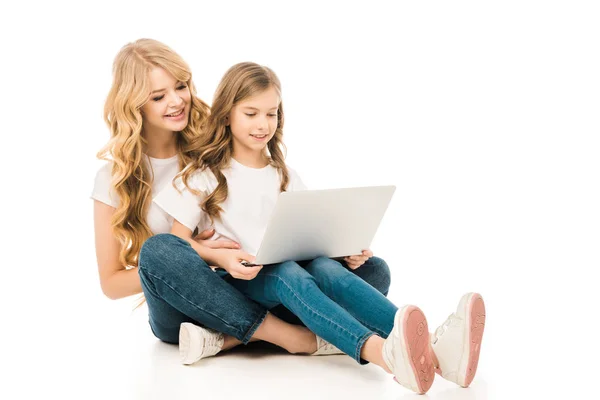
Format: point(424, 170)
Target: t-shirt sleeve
point(103, 190)
point(296, 184)
point(181, 203)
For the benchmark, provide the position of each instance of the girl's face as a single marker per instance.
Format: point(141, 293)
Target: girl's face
point(253, 122)
point(168, 107)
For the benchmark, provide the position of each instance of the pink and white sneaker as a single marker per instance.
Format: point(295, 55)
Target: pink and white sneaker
point(457, 342)
point(407, 351)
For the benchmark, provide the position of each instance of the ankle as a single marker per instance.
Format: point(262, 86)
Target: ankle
point(229, 342)
point(311, 343)
point(372, 351)
point(306, 345)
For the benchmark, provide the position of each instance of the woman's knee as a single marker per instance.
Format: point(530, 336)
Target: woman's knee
point(158, 246)
point(377, 273)
point(164, 252)
point(382, 268)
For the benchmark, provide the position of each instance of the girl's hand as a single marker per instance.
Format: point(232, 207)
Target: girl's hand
point(354, 262)
point(203, 239)
point(230, 260)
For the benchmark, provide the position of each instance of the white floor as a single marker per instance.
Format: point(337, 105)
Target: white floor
point(112, 354)
point(139, 366)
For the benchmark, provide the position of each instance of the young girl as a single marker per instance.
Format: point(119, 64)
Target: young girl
point(235, 180)
point(154, 119)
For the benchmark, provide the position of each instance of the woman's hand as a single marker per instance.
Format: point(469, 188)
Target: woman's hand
point(230, 260)
point(203, 239)
point(354, 262)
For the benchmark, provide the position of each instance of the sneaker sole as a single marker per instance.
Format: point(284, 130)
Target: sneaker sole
point(416, 348)
point(473, 336)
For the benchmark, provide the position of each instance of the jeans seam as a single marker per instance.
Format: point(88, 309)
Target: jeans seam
point(375, 330)
point(311, 309)
point(252, 329)
point(192, 303)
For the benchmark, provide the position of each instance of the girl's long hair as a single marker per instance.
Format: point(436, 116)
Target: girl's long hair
point(131, 176)
point(215, 147)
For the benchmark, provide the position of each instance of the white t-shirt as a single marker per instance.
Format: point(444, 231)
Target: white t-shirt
point(251, 197)
point(164, 170)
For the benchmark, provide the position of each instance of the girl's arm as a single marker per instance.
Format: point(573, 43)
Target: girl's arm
point(357, 261)
point(116, 281)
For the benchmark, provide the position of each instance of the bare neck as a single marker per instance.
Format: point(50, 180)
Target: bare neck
point(251, 159)
point(161, 144)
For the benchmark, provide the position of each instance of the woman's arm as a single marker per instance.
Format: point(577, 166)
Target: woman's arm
point(226, 259)
point(180, 230)
point(116, 281)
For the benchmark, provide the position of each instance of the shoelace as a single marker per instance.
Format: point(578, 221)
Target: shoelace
point(213, 343)
point(443, 327)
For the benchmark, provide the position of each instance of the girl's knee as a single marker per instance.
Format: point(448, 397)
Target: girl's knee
point(326, 263)
point(290, 274)
point(326, 266)
point(287, 269)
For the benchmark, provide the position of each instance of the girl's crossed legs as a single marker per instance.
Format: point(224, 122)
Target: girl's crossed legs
point(346, 311)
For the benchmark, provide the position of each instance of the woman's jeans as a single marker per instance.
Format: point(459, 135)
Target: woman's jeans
point(330, 300)
point(180, 287)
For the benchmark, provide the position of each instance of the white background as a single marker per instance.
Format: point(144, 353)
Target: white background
point(484, 115)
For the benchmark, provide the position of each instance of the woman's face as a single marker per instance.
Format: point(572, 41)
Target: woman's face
point(168, 107)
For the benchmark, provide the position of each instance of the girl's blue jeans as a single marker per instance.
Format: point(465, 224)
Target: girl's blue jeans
point(342, 306)
point(330, 300)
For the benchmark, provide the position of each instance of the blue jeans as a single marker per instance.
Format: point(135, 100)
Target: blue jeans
point(330, 300)
point(180, 287)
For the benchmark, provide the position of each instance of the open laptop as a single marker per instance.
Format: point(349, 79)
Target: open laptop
point(332, 223)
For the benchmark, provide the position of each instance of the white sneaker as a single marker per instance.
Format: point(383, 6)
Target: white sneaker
point(196, 343)
point(457, 342)
point(324, 348)
point(407, 351)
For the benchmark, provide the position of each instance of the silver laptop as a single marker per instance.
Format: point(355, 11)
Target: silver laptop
point(332, 223)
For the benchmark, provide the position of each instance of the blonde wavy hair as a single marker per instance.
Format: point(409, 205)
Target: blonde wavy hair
point(214, 149)
point(131, 176)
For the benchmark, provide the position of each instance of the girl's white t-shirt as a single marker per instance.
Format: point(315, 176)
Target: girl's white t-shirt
point(164, 170)
point(251, 197)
